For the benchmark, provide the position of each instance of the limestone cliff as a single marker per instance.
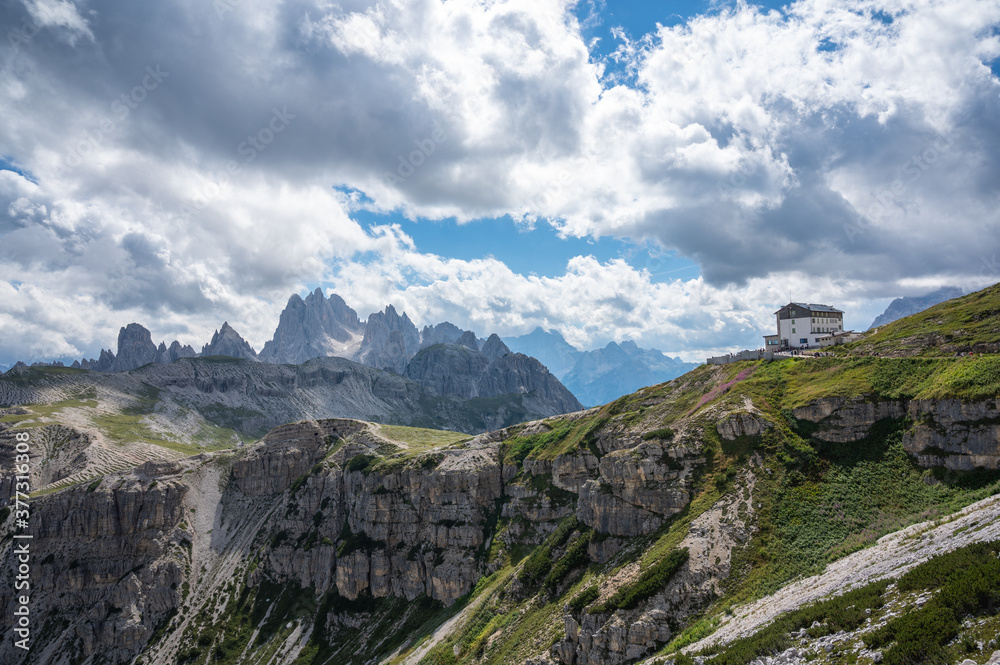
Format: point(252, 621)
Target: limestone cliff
point(596, 537)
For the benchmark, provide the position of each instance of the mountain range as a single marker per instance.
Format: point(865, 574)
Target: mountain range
point(444, 377)
point(828, 511)
point(601, 375)
point(319, 327)
point(903, 307)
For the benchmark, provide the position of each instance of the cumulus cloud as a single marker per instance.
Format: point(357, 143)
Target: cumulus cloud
point(184, 158)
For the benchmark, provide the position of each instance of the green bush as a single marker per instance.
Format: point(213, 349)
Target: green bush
point(584, 598)
point(537, 566)
point(576, 555)
point(969, 583)
point(845, 612)
point(663, 433)
point(362, 463)
point(649, 582)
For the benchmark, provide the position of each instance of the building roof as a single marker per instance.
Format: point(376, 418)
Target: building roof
point(813, 307)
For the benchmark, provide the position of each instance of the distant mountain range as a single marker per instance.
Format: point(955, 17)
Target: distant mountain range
point(444, 360)
point(903, 307)
point(601, 375)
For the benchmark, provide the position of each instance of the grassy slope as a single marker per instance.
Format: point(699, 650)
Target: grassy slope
point(969, 323)
point(817, 502)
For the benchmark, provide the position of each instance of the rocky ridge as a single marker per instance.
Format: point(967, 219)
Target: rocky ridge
point(314, 328)
point(227, 342)
point(373, 525)
point(903, 307)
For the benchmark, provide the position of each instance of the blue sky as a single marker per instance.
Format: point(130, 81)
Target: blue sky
point(567, 164)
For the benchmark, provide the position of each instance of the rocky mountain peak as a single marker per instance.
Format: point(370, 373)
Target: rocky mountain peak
point(135, 348)
point(494, 348)
point(468, 339)
point(227, 342)
point(313, 327)
point(442, 333)
point(903, 307)
point(389, 342)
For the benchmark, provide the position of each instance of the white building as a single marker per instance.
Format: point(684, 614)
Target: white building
point(840, 337)
point(801, 325)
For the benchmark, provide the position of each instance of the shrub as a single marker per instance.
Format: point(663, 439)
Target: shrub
point(663, 433)
point(649, 582)
point(969, 582)
point(538, 564)
point(586, 597)
point(362, 463)
point(576, 554)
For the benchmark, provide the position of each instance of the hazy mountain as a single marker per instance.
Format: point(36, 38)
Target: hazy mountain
point(601, 375)
point(315, 327)
point(604, 375)
point(902, 307)
point(549, 347)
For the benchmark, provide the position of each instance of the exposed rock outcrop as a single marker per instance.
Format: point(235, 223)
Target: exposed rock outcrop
point(389, 342)
point(494, 348)
point(442, 333)
point(951, 433)
point(518, 373)
point(135, 348)
point(448, 369)
point(313, 328)
point(227, 342)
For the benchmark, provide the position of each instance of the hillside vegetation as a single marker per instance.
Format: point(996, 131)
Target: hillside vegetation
point(663, 526)
point(969, 324)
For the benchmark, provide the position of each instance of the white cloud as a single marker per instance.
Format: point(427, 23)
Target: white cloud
point(772, 148)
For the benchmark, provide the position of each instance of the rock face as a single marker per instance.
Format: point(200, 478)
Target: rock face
point(227, 342)
point(950, 433)
point(313, 328)
point(113, 567)
point(251, 397)
point(903, 307)
point(442, 333)
point(389, 342)
point(317, 504)
point(135, 348)
point(494, 348)
point(518, 373)
point(448, 369)
point(174, 352)
point(457, 369)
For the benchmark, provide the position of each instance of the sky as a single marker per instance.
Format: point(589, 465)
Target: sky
point(666, 172)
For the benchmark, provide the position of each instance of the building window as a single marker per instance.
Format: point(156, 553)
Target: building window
point(793, 330)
